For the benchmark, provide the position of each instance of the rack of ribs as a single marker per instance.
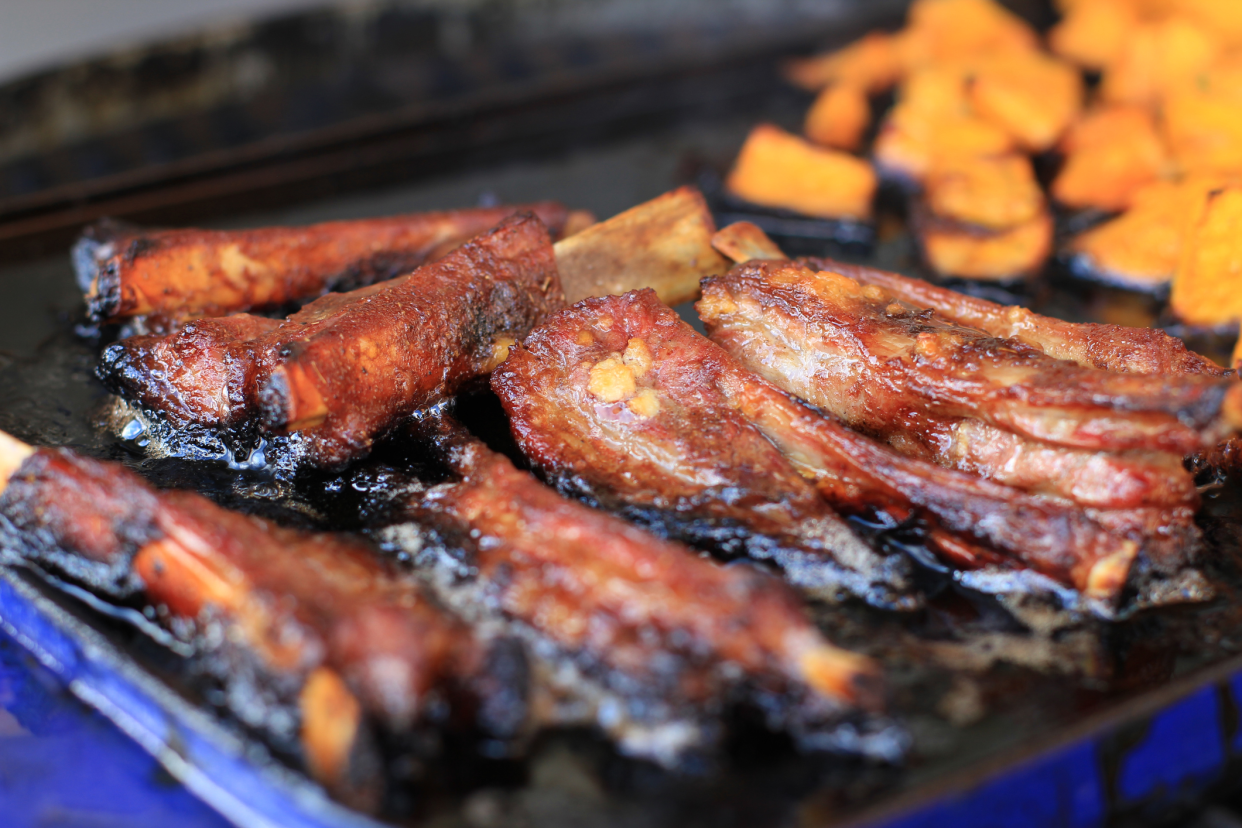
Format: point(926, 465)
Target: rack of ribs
point(168, 276)
point(347, 368)
point(672, 638)
point(319, 644)
point(618, 397)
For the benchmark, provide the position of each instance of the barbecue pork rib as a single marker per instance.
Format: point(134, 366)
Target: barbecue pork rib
point(1102, 480)
point(1090, 344)
point(345, 369)
point(621, 398)
point(872, 359)
point(319, 643)
point(673, 638)
point(172, 275)
point(612, 402)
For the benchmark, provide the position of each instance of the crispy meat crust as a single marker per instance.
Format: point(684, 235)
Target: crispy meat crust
point(876, 360)
point(349, 366)
point(849, 383)
point(1091, 345)
point(648, 609)
point(980, 522)
point(181, 274)
point(298, 608)
point(612, 397)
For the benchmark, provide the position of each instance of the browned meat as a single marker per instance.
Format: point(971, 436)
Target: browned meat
point(313, 625)
point(1090, 344)
point(628, 432)
point(203, 373)
point(674, 635)
point(349, 366)
point(875, 359)
point(610, 400)
point(182, 274)
point(1105, 480)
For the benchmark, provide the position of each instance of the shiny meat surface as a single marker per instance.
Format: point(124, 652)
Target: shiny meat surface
point(874, 360)
point(181, 274)
point(615, 398)
point(972, 522)
point(1090, 344)
point(346, 368)
point(674, 636)
point(312, 635)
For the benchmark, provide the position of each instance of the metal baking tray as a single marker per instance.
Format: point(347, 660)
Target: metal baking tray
point(1054, 720)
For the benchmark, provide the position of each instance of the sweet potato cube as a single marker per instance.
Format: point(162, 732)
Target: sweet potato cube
point(870, 63)
point(839, 117)
point(1158, 58)
point(1141, 247)
point(946, 29)
point(1110, 153)
point(1204, 131)
point(1034, 97)
point(993, 193)
point(776, 169)
point(952, 250)
point(1093, 34)
point(1207, 289)
point(912, 141)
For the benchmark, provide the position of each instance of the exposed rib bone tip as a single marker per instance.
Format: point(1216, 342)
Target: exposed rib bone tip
point(13, 453)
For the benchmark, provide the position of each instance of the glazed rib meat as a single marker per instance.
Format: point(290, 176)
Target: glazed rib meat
point(611, 401)
point(1089, 344)
point(182, 274)
point(345, 369)
point(316, 638)
point(1103, 480)
point(634, 436)
point(673, 635)
point(873, 360)
point(958, 397)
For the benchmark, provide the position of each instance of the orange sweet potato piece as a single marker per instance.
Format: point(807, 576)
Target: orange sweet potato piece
point(1110, 154)
point(933, 124)
point(1158, 58)
point(1093, 34)
point(1141, 247)
point(953, 250)
point(912, 141)
point(1032, 96)
point(937, 30)
point(993, 193)
point(870, 63)
point(839, 117)
point(777, 169)
point(1204, 130)
point(1206, 290)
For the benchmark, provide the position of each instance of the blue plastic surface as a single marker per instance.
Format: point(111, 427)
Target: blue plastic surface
point(62, 763)
point(189, 743)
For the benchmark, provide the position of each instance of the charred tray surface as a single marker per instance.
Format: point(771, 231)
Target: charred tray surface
point(980, 685)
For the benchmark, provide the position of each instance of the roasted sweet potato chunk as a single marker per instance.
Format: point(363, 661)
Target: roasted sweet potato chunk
point(1110, 154)
point(1141, 247)
point(839, 117)
point(776, 169)
point(1033, 97)
point(993, 193)
point(947, 29)
point(933, 124)
point(871, 64)
point(1093, 34)
point(1204, 130)
point(1157, 59)
point(1209, 274)
point(953, 250)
